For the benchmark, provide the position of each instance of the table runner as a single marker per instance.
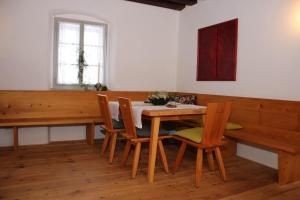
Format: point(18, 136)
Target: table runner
point(139, 106)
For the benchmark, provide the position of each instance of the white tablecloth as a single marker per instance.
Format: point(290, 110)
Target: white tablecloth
point(138, 107)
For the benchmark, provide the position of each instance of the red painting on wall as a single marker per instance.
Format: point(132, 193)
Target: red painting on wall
point(217, 52)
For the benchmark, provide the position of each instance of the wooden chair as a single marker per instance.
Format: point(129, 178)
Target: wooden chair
point(208, 138)
point(136, 137)
point(111, 127)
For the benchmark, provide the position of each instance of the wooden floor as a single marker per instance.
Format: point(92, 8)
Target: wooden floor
point(75, 171)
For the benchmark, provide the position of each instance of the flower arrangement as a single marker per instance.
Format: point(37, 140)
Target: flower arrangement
point(159, 98)
point(100, 87)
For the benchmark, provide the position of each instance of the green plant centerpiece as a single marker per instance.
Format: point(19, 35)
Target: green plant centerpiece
point(159, 98)
point(81, 64)
point(100, 87)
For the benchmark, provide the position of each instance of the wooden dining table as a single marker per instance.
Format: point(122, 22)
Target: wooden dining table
point(156, 116)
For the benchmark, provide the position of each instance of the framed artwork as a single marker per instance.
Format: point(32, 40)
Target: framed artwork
point(217, 52)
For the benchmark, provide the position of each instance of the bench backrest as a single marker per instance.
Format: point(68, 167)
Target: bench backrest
point(278, 118)
point(56, 104)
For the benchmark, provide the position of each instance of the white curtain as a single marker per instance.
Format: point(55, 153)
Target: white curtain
point(68, 53)
point(93, 53)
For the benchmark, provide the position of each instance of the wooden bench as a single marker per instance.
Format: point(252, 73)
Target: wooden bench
point(285, 143)
point(270, 124)
point(54, 108)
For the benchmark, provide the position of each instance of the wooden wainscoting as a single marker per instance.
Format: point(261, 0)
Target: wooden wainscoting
point(51, 108)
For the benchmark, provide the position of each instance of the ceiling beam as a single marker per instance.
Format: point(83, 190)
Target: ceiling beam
point(185, 2)
point(162, 3)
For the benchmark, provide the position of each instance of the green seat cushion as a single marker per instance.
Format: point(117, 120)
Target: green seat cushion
point(193, 134)
point(233, 126)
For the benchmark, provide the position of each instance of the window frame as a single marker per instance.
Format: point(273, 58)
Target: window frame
point(57, 20)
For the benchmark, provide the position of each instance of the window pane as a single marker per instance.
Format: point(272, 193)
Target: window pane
point(101, 75)
point(90, 75)
point(69, 33)
point(68, 53)
point(93, 35)
point(67, 74)
point(93, 53)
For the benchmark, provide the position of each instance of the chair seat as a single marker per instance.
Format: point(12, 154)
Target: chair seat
point(233, 126)
point(193, 134)
point(118, 124)
point(146, 131)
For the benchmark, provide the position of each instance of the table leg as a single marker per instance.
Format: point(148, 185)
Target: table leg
point(153, 148)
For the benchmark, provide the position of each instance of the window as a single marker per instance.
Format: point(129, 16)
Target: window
point(79, 53)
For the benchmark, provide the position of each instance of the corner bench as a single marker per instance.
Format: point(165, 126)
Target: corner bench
point(55, 108)
point(267, 123)
point(49, 108)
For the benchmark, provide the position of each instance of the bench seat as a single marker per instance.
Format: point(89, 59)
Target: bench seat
point(89, 122)
point(285, 143)
point(258, 137)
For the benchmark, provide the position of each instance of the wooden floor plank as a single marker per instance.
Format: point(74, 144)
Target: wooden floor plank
point(76, 171)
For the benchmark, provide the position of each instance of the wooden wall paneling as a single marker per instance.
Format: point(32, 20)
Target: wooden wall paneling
point(298, 127)
point(55, 104)
point(134, 95)
point(245, 112)
point(38, 104)
point(279, 114)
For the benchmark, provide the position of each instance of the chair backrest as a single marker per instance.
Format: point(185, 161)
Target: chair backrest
point(105, 111)
point(127, 116)
point(217, 115)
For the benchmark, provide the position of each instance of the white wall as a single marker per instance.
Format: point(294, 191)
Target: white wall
point(142, 46)
point(268, 52)
point(142, 50)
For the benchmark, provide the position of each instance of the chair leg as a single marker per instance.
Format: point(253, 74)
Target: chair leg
point(126, 153)
point(210, 159)
point(163, 156)
point(105, 142)
point(220, 163)
point(179, 156)
point(199, 166)
point(136, 159)
point(113, 141)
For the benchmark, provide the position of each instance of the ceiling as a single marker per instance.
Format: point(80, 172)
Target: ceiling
point(171, 4)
